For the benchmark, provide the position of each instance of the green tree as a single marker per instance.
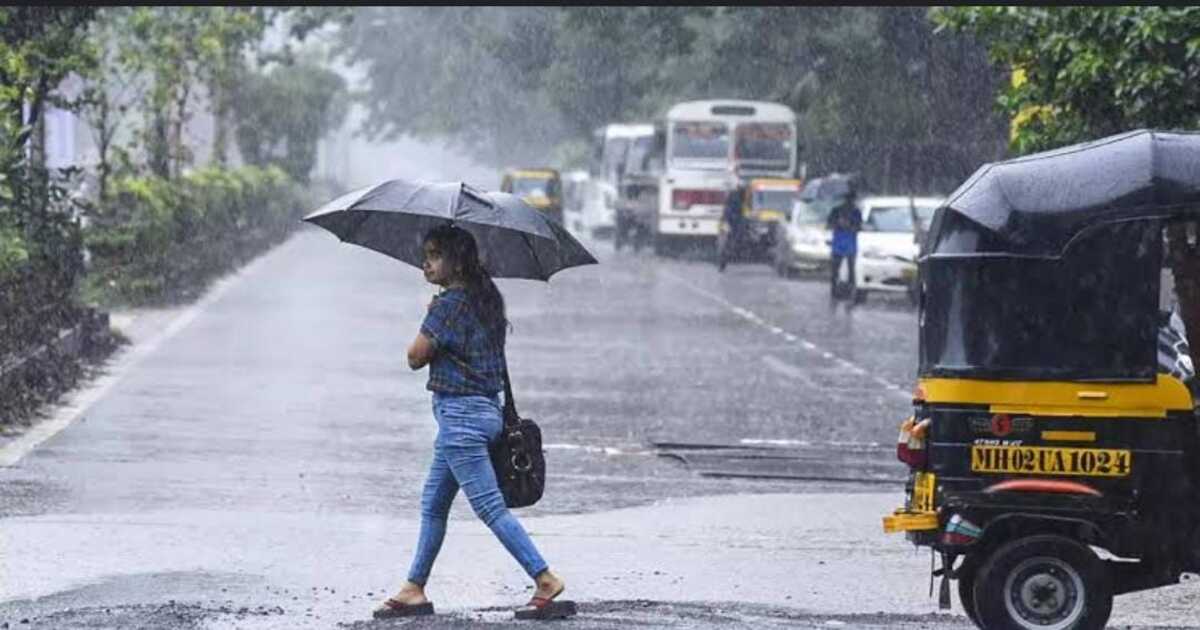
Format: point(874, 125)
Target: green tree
point(285, 111)
point(608, 65)
point(876, 91)
point(457, 73)
point(40, 254)
point(1099, 71)
point(227, 34)
point(1091, 72)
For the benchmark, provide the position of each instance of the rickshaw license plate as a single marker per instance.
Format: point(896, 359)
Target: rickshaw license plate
point(1041, 460)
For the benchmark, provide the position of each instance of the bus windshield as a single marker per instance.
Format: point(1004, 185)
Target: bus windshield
point(764, 144)
point(700, 141)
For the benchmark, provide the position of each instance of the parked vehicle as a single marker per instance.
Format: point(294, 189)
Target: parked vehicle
point(766, 203)
point(1053, 452)
point(887, 247)
point(637, 190)
point(609, 147)
point(575, 184)
point(709, 144)
point(541, 188)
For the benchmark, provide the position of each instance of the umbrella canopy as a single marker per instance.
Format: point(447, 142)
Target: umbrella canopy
point(1037, 203)
point(515, 241)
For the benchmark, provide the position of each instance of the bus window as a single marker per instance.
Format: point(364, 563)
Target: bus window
point(700, 140)
point(768, 144)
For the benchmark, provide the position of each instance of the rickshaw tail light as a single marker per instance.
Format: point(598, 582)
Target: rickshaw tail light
point(960, 531)
point(914, 457)
point(918, 394)
point(954, 538)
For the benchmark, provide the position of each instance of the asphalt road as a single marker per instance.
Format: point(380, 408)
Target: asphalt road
point(719, 446)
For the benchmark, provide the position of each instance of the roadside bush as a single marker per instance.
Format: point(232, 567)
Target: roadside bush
point(161, 240)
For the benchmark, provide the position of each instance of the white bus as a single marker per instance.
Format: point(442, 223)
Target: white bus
point(609, 146)
point(709, 146)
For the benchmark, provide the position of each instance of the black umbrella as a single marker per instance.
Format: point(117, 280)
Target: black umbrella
point(1037, 203)
point(515, 241)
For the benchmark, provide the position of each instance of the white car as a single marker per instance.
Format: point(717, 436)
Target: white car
point(887, 244)
point(802, 242)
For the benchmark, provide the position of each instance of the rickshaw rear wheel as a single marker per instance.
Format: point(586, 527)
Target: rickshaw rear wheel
point(1043, 582)
point(966, 575)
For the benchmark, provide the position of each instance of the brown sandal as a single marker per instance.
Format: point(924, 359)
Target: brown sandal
point(547, 608)
point(392, 608)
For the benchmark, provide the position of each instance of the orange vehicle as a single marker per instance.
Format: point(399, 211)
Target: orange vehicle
point(538, 187)
point(766, 202)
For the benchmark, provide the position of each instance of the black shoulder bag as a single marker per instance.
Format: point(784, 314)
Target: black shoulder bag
point(517, 455)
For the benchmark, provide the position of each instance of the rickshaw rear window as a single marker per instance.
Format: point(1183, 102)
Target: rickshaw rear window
point(774, 199)
point(1091, 314)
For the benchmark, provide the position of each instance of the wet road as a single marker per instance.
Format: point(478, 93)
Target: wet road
point(255, 461)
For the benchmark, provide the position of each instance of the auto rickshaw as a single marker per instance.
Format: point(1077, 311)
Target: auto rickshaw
point(1054, 455)
point(541, 188)
point(766, 202)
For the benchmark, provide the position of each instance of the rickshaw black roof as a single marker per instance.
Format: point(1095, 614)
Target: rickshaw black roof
point(1034, 205)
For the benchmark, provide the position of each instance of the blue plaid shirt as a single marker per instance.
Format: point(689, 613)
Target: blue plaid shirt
point(467, 361)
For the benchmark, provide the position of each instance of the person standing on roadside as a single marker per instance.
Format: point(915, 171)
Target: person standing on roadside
point(730, 241)
point(845, 221)
point(462, 341)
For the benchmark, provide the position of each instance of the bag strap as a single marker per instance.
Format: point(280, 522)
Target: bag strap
point(511, 417)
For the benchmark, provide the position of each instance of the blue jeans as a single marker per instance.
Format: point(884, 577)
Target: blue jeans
point(466, 424)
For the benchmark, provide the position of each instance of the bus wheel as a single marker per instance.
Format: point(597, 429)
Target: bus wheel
point(1044, 582)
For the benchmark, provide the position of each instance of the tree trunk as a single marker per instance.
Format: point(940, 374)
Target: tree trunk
point(1185, 264)
point(179, 153)
point(220, 125)
point(104, 142)
point(160, 155)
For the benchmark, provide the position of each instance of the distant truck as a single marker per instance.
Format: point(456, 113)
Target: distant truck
point(637, 189)
point(541, 188)
point(610, 144)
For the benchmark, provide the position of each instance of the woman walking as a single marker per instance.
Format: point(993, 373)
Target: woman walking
point(462, 342)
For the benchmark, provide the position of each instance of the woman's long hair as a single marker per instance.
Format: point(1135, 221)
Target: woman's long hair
point(460, 252)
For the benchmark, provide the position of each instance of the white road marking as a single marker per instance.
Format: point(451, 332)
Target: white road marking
point(78, 402)
point(606, 450)
point(776, 364)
